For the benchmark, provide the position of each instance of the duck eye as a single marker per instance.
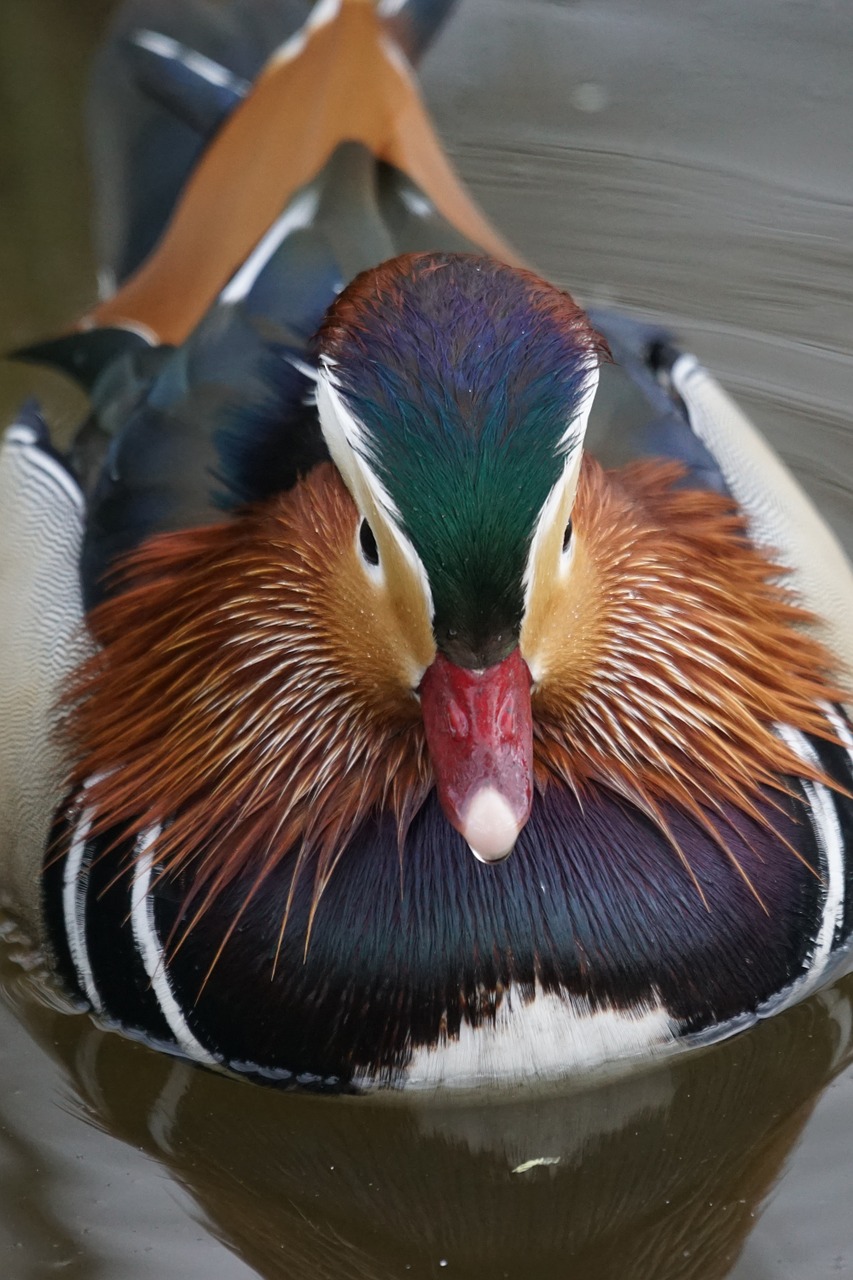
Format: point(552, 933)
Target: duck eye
point(567, 536)
point(367, 542)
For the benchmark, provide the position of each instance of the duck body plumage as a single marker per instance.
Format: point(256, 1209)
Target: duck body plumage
point(224, 812)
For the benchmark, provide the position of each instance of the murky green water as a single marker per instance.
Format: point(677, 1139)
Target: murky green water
point(691, 162)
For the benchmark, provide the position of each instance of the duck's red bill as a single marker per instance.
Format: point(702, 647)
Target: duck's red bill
point(479, 730)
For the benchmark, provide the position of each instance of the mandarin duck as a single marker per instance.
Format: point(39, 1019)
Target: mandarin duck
point(410, 679)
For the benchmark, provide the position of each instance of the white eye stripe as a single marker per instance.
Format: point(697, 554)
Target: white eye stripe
point(571, 444)
point(573, 436)
point(349, 442)
point(351, 447)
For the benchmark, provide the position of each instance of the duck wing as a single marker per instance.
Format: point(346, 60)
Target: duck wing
point(344, 59)
point(166, 80)
point(259, 208)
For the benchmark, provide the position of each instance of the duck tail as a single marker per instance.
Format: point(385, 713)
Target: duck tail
point(220, 134)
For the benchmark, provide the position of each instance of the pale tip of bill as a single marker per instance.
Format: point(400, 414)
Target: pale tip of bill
point(490, 826)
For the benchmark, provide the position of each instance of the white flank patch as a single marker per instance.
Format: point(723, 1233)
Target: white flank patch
point(324, 12)
point(166, 47)
point(543, 1039)
point(42, 638)
point(151, 951)
point(824, 819)
point(75, 883)
point(299, 213)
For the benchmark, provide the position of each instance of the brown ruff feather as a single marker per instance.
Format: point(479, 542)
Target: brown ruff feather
point(676, 652)
point(251, 693)
point(250, 687)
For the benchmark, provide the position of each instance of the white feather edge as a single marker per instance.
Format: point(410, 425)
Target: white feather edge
point(323, 12)
point(75, 884)
point(298, 214)
point(165, 47)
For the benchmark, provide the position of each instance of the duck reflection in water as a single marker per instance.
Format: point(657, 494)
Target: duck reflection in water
point(657, 1176)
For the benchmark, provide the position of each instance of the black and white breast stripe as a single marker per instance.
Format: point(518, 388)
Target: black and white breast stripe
point(75, 890)
point(838, 763)
point(151, 951)
point(109, 945)
point(105, 934)
point(830, 820)
point(110, 930)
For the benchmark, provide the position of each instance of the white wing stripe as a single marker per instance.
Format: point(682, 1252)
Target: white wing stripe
point(165, 47)
point(298, 214)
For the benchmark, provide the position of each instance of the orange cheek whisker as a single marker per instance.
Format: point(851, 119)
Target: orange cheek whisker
point(230, 706)
point(673, 653)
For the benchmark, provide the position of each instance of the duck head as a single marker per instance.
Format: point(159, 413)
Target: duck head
point(453, 394)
